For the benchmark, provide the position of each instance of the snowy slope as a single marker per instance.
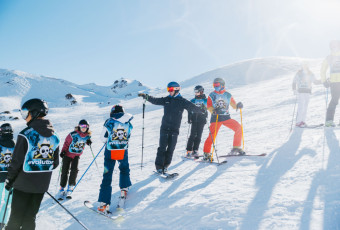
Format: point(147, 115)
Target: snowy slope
point(294, 187)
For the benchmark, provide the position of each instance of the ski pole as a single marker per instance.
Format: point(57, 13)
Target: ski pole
point(291, 126)
point(61, 166)
point(67, 210)
point(3, 218)
point(88, 167)
point(213, 143)
point(188, 134)
point(93, 158)
point(141, 163)
point(212, 153)
point(242, 129)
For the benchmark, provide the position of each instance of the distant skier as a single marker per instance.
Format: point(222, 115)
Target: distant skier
point(174, 105)
point(6, 150)
point(302, 86)
point(73, 148)
point(35, 155)
point(197, 121)
point(218, 105)
point(332, 62)
point(116, 135)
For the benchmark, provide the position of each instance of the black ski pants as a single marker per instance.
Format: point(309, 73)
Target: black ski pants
point(335, 93)
point(24, 209)
point(167, 145)
point(195, 136)
point(67, 163)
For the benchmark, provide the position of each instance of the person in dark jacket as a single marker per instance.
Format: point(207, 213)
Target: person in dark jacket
point(73, 148)
point(197, 121)
point(35, 155)
point(174, 105)
point(7, 145)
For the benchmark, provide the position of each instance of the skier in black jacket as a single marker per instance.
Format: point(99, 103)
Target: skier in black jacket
point(35, 155)
point(174, 105)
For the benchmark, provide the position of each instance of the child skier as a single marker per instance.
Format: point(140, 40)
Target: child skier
point(6, 149)
point(332, 62)
point(218, 105)
point(302, 86)
point(73, 148)
point(174, 105)
point(197, 121)
point(35, 155)
point(116, 134)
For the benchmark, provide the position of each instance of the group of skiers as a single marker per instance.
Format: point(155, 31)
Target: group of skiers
point(26, 167)
point(304, 78)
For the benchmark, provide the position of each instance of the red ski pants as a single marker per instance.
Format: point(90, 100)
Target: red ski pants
point(231, 124)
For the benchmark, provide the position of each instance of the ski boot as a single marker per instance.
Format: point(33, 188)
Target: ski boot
point(122, 199)
point(195, 154)
point(208, 157)
point(189, 153)
point(61, 193)
point(69, 192)
point(237, 151)
point(104, 208)
point(330, 123)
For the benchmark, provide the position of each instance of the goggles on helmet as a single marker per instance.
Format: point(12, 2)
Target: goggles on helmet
point(83, 126)
point(24, 113)
point(172, 89)
point(197, 91)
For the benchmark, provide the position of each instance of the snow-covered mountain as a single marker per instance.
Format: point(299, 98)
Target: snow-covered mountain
point(294, 187)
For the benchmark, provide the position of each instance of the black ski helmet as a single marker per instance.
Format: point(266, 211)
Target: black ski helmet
point(37, 108)
point(219, 84)
point(6, 129)
point(117, 109)
point(174, 86)
point(199, 89)
point(83, 122)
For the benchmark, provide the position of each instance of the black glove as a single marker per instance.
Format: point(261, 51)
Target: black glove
point(89, 142)
point(327, 84)
point(239, 106)
point(8, 184)
point(143, 95)
point(62, 154)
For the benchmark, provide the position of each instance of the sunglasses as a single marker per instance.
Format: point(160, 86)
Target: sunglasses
point(172, 89)
point(24, 113)
point(83, 126)
point(217, 84)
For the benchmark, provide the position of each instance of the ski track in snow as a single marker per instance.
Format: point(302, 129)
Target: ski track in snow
point(296, 186)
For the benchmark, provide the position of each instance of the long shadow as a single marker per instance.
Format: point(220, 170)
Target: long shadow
point(269, 175)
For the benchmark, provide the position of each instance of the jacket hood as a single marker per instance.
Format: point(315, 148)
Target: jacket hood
point(43, 127)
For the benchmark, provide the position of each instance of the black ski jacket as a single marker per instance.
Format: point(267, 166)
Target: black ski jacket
point(31, 182)
point(173, 110)
point(8, 142)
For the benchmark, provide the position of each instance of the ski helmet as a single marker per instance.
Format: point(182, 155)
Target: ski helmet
point(199, 89)
point(117, 109)
point(173, 87)
point(83, 124)
point(6, 129)
point(219, 84)
point(37, 108)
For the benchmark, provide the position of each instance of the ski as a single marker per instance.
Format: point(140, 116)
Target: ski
point(200, 160)
point(246, 155)
point(312, 126)
point(117, 218)
point(167, 175)
point(193, 158)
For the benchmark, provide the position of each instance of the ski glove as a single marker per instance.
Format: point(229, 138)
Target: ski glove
point(239, 106)
point(62, 154)
point(89, 142)
point(143, 95)
point(8, 184)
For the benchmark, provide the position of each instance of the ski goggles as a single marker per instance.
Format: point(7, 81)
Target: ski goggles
point(217, 84)
point(83, 126)
point(172, 89)
point(24, 113)
point(197, 91)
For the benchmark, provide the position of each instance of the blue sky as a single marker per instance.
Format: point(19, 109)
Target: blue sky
point(157, 41)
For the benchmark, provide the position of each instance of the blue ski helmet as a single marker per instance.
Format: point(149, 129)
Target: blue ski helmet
point(174, 86)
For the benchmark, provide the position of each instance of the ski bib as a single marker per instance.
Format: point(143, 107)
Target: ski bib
point(40, 152)
point(199, 102)
point(221, 102)
point(118, 138)
point(5, 158)
point(77, 145)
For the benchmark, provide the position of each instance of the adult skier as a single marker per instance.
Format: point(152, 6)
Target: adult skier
point(174, 105)
point(116, 135)
point(6, 150)
point(218, 105)
point(73, 148)
point(332, 62)
point(302, 87)
point(35, 155)
point(197, 121)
